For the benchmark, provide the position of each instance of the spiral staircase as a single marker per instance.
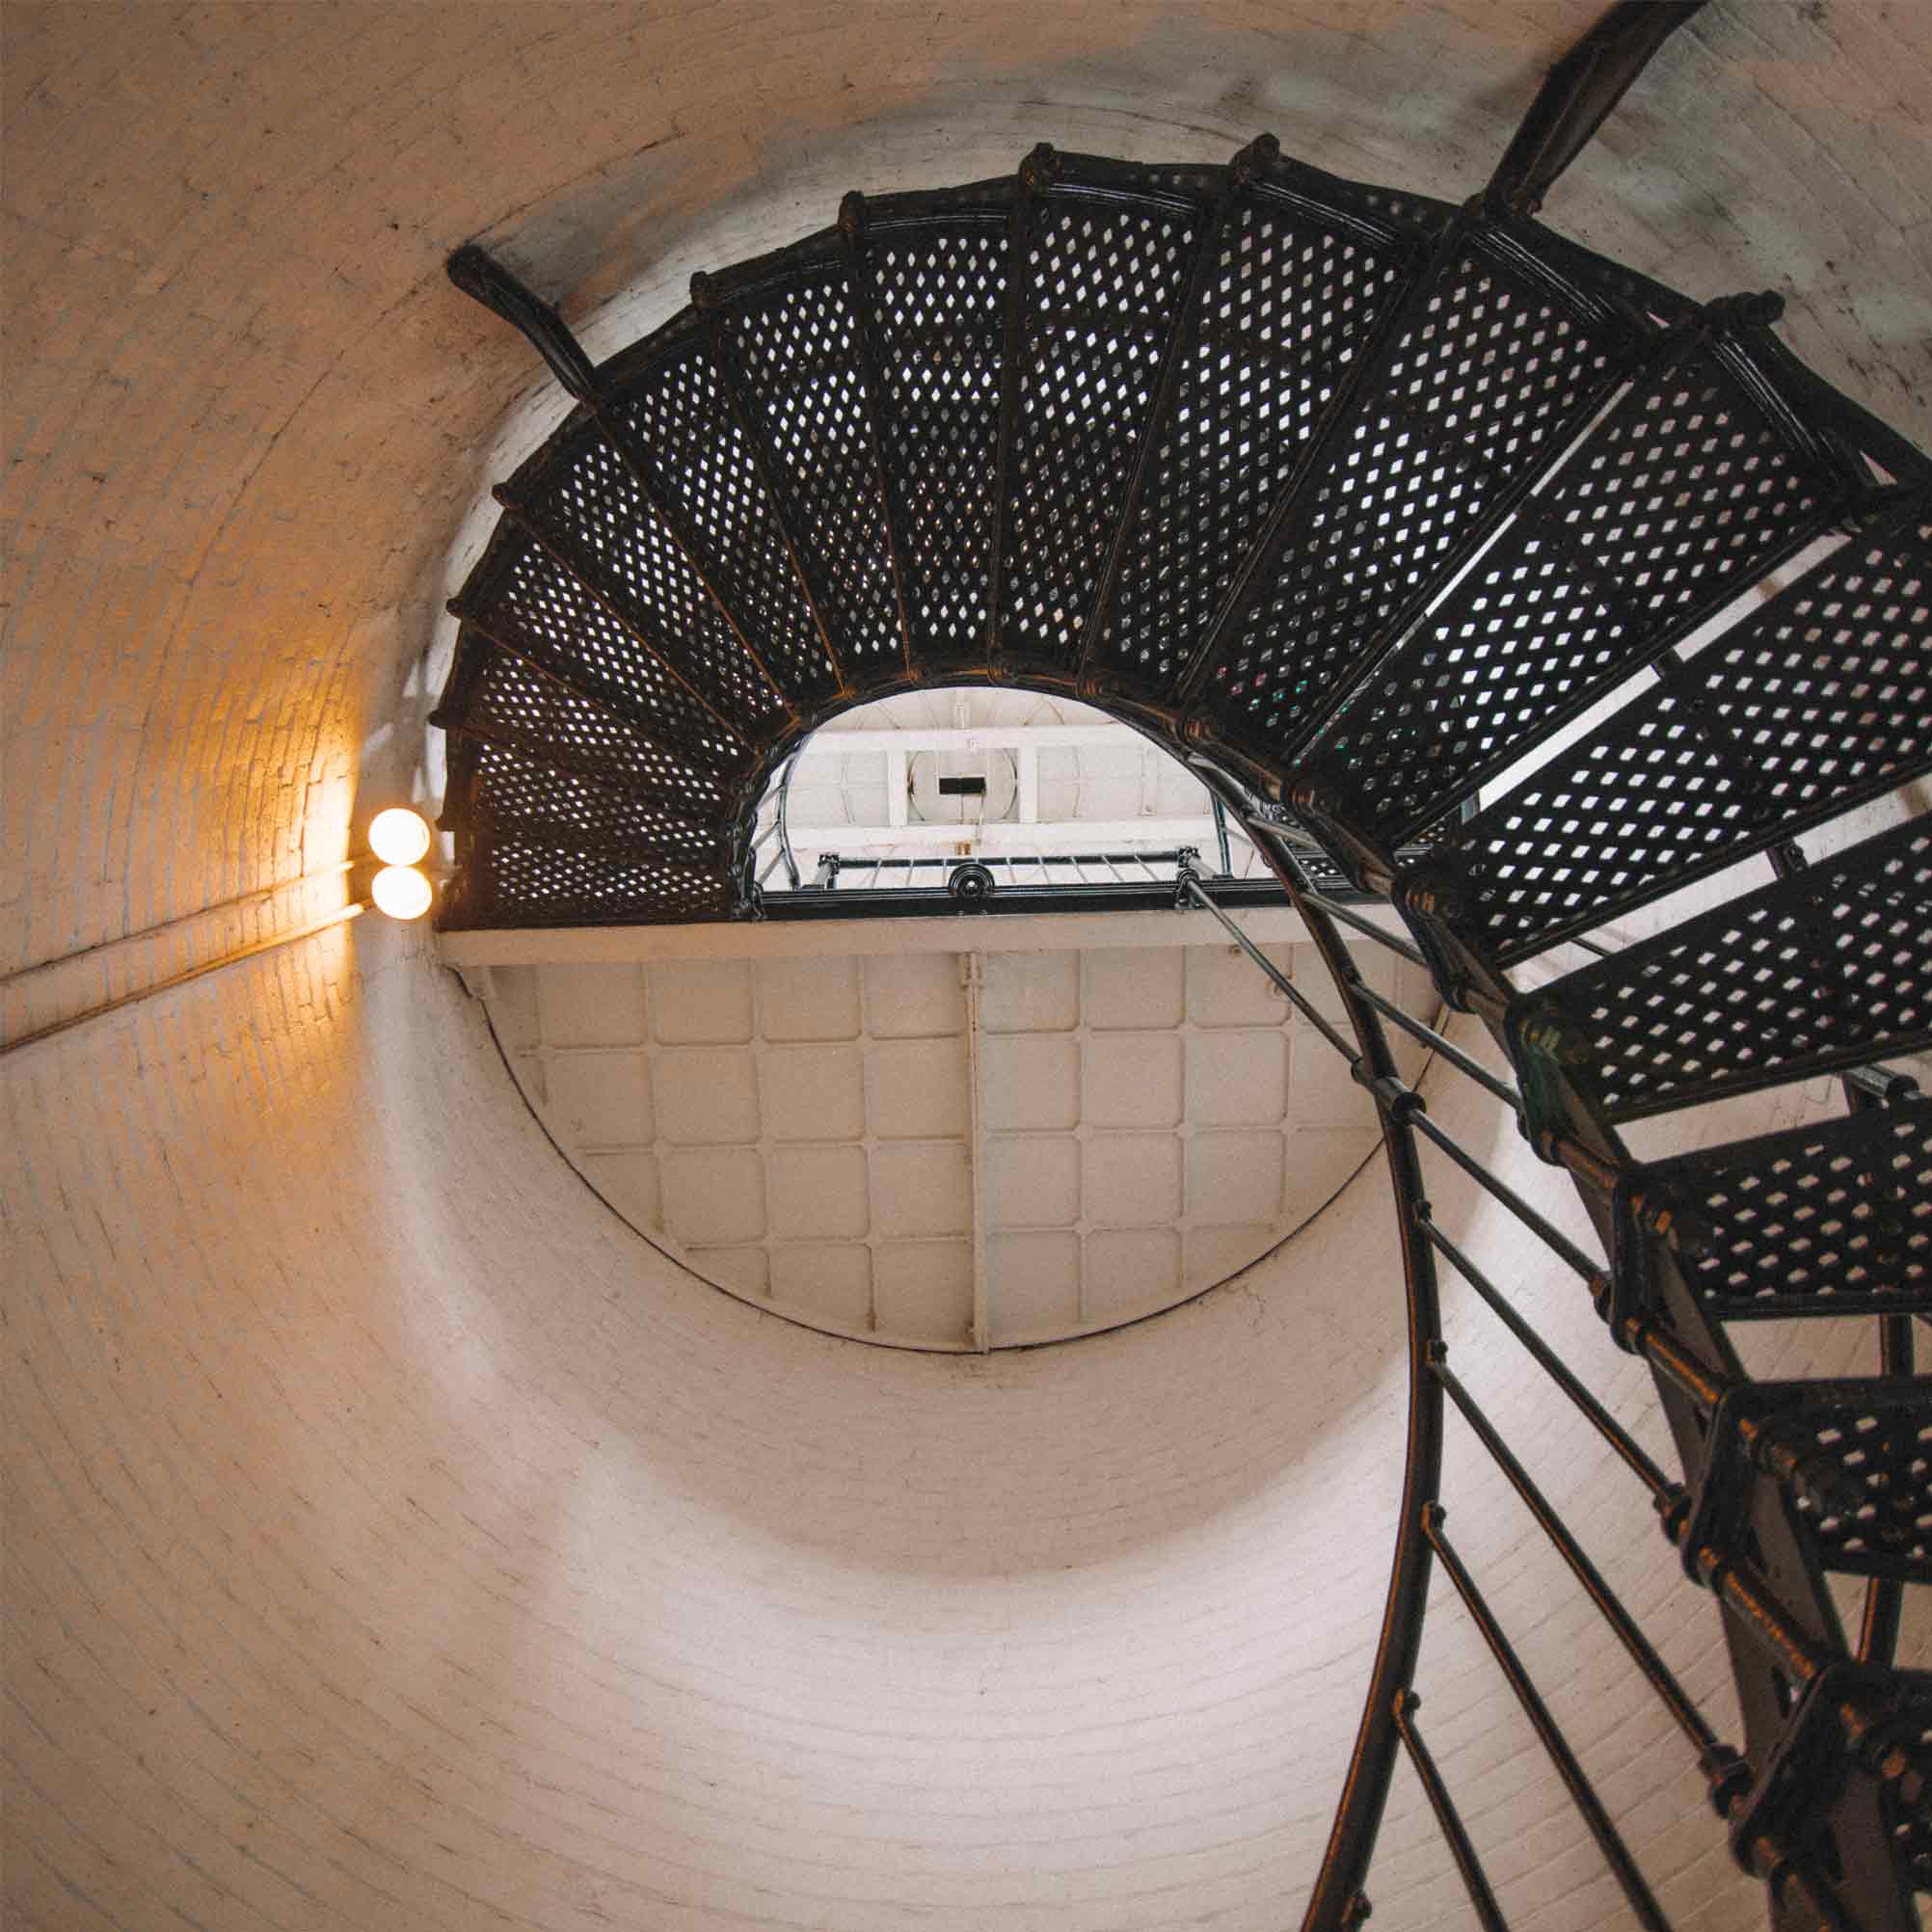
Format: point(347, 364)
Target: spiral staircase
point(1354, 500)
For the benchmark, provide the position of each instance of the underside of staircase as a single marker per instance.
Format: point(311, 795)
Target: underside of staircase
point(1354, 500)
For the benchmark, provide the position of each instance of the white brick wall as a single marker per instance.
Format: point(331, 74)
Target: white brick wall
point(393, 1541)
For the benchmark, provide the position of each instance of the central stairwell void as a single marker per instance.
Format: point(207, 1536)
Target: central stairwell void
point(1559, 632)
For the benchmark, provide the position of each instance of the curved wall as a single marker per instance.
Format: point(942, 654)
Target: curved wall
point(393, 1539)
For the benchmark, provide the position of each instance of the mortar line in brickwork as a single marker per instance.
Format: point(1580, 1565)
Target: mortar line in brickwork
point(339, 916)
point(166, 925)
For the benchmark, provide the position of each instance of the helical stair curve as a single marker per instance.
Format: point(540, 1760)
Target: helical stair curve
point(1351, 499)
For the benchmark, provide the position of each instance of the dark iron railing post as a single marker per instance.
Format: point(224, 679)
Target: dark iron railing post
point(1255, 157)
point(1338, 1899)
point(1583, 1794)
point(1475, 1880)
point(1720, 1764)
point(1578, 94)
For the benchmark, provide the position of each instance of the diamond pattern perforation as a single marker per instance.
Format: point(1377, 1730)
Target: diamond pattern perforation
point(1832, 686)
point(1824, 969)
point(701, 464)
point(541, 608)
point(520, 703)
point(1833, 1219)
point(1286, 306)
point(1822, 696)
point(1486, 381)
point(936, 294)
point(1909, 1819)
point(1195, 179)
point(1634, 810)
point(797, 348)
point(512, 883)
point(1863, 1480)
point(1680, 497)
point(532, 803)
point(1104, 282)
point(591, 504)
point(1416, 211)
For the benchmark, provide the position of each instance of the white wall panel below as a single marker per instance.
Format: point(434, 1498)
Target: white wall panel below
point(1141, 1124)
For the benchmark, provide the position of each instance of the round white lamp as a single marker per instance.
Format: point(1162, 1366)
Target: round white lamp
point(401, 891)
point(398, 836)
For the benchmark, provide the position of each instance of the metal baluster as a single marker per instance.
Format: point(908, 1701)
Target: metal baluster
point(1475, 1880)
point(1720, 1763)
point(1583, 1794)
point(1662, 1489)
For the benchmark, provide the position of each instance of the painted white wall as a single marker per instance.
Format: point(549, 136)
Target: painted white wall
point(393, 1541)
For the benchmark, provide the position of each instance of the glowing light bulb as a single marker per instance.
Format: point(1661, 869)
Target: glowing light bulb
point(398, 837)
point(402, 892)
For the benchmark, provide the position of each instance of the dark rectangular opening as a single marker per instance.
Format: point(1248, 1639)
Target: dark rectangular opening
point(962, 787)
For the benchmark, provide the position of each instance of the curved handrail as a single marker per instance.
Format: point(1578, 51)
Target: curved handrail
point(1337, 1900)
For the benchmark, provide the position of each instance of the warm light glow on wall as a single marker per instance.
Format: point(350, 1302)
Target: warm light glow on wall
point(402, 892)
point(398, 836)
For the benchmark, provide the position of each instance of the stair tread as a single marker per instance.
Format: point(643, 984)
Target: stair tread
point(1681, 499)
point(794, 346)
point(1102, 282)
point(1827, 969)
point(1291, 300)
point(1829, 1218)
point(677, 419)
point(587, 502)
point(528, 710)
point(933, 290)
point(1493, 372)
point(1819, 700)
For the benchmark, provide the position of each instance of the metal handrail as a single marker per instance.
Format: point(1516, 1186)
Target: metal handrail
point(1338, 1900)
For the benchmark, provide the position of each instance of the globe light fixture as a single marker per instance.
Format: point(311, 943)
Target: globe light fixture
point(398, 836)
point(401, 891)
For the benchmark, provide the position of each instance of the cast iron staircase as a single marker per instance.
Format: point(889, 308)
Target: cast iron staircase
point(1353, 498)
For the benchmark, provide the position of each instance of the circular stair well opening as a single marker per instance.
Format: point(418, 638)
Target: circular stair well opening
point(877, 1114)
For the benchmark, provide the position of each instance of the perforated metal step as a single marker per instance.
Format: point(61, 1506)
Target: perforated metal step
point(1357, 500)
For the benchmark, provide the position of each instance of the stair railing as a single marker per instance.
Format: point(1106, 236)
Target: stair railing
point(1830, 1795)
